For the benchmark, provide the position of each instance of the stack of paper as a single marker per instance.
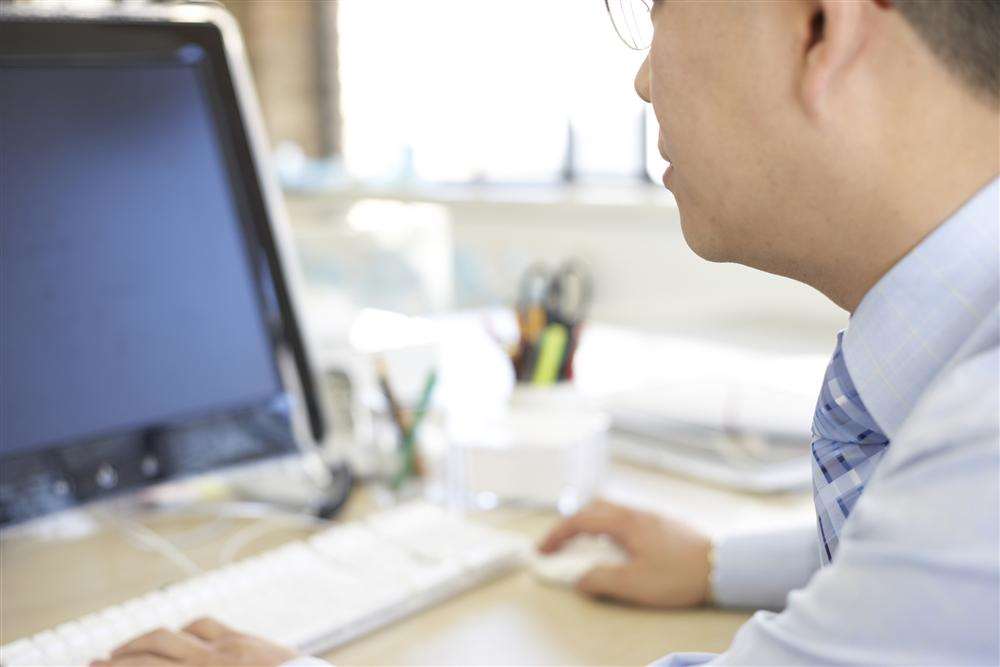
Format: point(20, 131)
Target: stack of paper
point(731, 416)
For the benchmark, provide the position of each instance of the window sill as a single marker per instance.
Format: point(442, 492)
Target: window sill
point(624, 195)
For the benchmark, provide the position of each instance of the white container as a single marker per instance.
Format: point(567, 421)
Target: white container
point(548, 450)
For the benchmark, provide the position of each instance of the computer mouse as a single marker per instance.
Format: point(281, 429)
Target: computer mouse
point(577, 557)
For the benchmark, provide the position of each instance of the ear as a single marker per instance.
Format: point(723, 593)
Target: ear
point(838, 32)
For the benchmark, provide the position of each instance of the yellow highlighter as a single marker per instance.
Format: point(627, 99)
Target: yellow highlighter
point(551, 351)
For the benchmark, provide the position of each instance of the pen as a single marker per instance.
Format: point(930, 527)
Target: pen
point(409, 440)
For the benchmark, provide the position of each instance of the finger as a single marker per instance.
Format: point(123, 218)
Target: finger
point(164, 643)
point(208, 629)
point(600, 519)
point(605, 505)
point(136, 660)
point(612, 581)
point(556, 536)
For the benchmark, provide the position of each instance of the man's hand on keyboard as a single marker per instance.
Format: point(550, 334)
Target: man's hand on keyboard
point(204, 642)
point(668, 560)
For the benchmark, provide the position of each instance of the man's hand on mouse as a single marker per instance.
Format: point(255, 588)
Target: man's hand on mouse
point(668, 563)
point(204, 642)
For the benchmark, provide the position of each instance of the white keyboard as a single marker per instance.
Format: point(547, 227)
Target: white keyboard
point(313, 594)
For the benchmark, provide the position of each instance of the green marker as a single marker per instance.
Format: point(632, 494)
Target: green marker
point(551, 350)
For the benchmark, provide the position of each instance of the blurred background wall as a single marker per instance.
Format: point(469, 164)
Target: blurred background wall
point(292, 46)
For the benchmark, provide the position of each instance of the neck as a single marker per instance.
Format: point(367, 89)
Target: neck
point(934, 165)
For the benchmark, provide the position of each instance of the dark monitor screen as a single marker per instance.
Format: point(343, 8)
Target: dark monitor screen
point(144, 315)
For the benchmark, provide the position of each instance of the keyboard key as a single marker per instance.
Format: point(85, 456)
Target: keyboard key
point(142, 617)
point(101, 637)
point(185, 604)
point(32, 658)
point(164, 609)
point(77, 641)
point(53, 649)
point(15, 652)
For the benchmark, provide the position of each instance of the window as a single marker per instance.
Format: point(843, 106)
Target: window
point(520, 91)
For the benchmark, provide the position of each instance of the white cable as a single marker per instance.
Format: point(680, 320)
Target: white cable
point(239, 510)
point(241, 538)
point(148, 539)
point(220, 515)
point(265, 518)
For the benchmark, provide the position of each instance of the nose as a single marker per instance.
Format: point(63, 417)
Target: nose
point(642, 80)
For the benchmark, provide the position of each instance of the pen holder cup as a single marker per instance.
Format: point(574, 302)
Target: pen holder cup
point(548, 450)
point(382, 446)
point(560, 397)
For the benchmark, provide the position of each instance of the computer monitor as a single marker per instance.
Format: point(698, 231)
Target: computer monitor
point(148, 322)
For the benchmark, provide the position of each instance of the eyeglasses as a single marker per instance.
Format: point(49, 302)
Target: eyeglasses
point(632, 22)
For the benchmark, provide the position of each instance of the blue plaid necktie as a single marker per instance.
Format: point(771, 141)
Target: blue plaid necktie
point(846, 446)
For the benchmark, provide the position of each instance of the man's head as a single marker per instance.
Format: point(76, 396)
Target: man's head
point(795, 128)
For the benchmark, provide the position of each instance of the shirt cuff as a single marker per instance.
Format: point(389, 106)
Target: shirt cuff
point(759, 570)
point(306, 661)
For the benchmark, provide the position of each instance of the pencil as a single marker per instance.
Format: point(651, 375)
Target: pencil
point(395, 410)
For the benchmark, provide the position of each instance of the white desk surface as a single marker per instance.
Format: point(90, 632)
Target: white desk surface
point(511, 621)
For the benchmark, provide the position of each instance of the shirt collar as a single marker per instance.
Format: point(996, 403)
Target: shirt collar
point(917, 316)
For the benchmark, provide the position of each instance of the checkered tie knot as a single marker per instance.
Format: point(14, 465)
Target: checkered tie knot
point(846, 446)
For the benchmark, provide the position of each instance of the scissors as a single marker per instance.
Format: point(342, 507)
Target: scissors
point(532, 299)
point(569, 294)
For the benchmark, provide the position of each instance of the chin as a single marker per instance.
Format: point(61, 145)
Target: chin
point(702, 237)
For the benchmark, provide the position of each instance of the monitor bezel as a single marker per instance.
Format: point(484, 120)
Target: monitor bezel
point(218, 31)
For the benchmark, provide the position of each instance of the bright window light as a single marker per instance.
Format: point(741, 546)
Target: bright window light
point(461, 91)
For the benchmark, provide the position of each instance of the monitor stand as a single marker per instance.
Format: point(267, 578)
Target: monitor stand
point(296, 484)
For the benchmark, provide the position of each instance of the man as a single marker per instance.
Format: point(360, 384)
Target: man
point(852, 145)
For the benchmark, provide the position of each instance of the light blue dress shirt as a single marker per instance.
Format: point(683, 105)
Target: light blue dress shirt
point(916, 579)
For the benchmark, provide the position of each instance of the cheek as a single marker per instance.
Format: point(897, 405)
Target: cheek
point(699, 97)
point(680, 100)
